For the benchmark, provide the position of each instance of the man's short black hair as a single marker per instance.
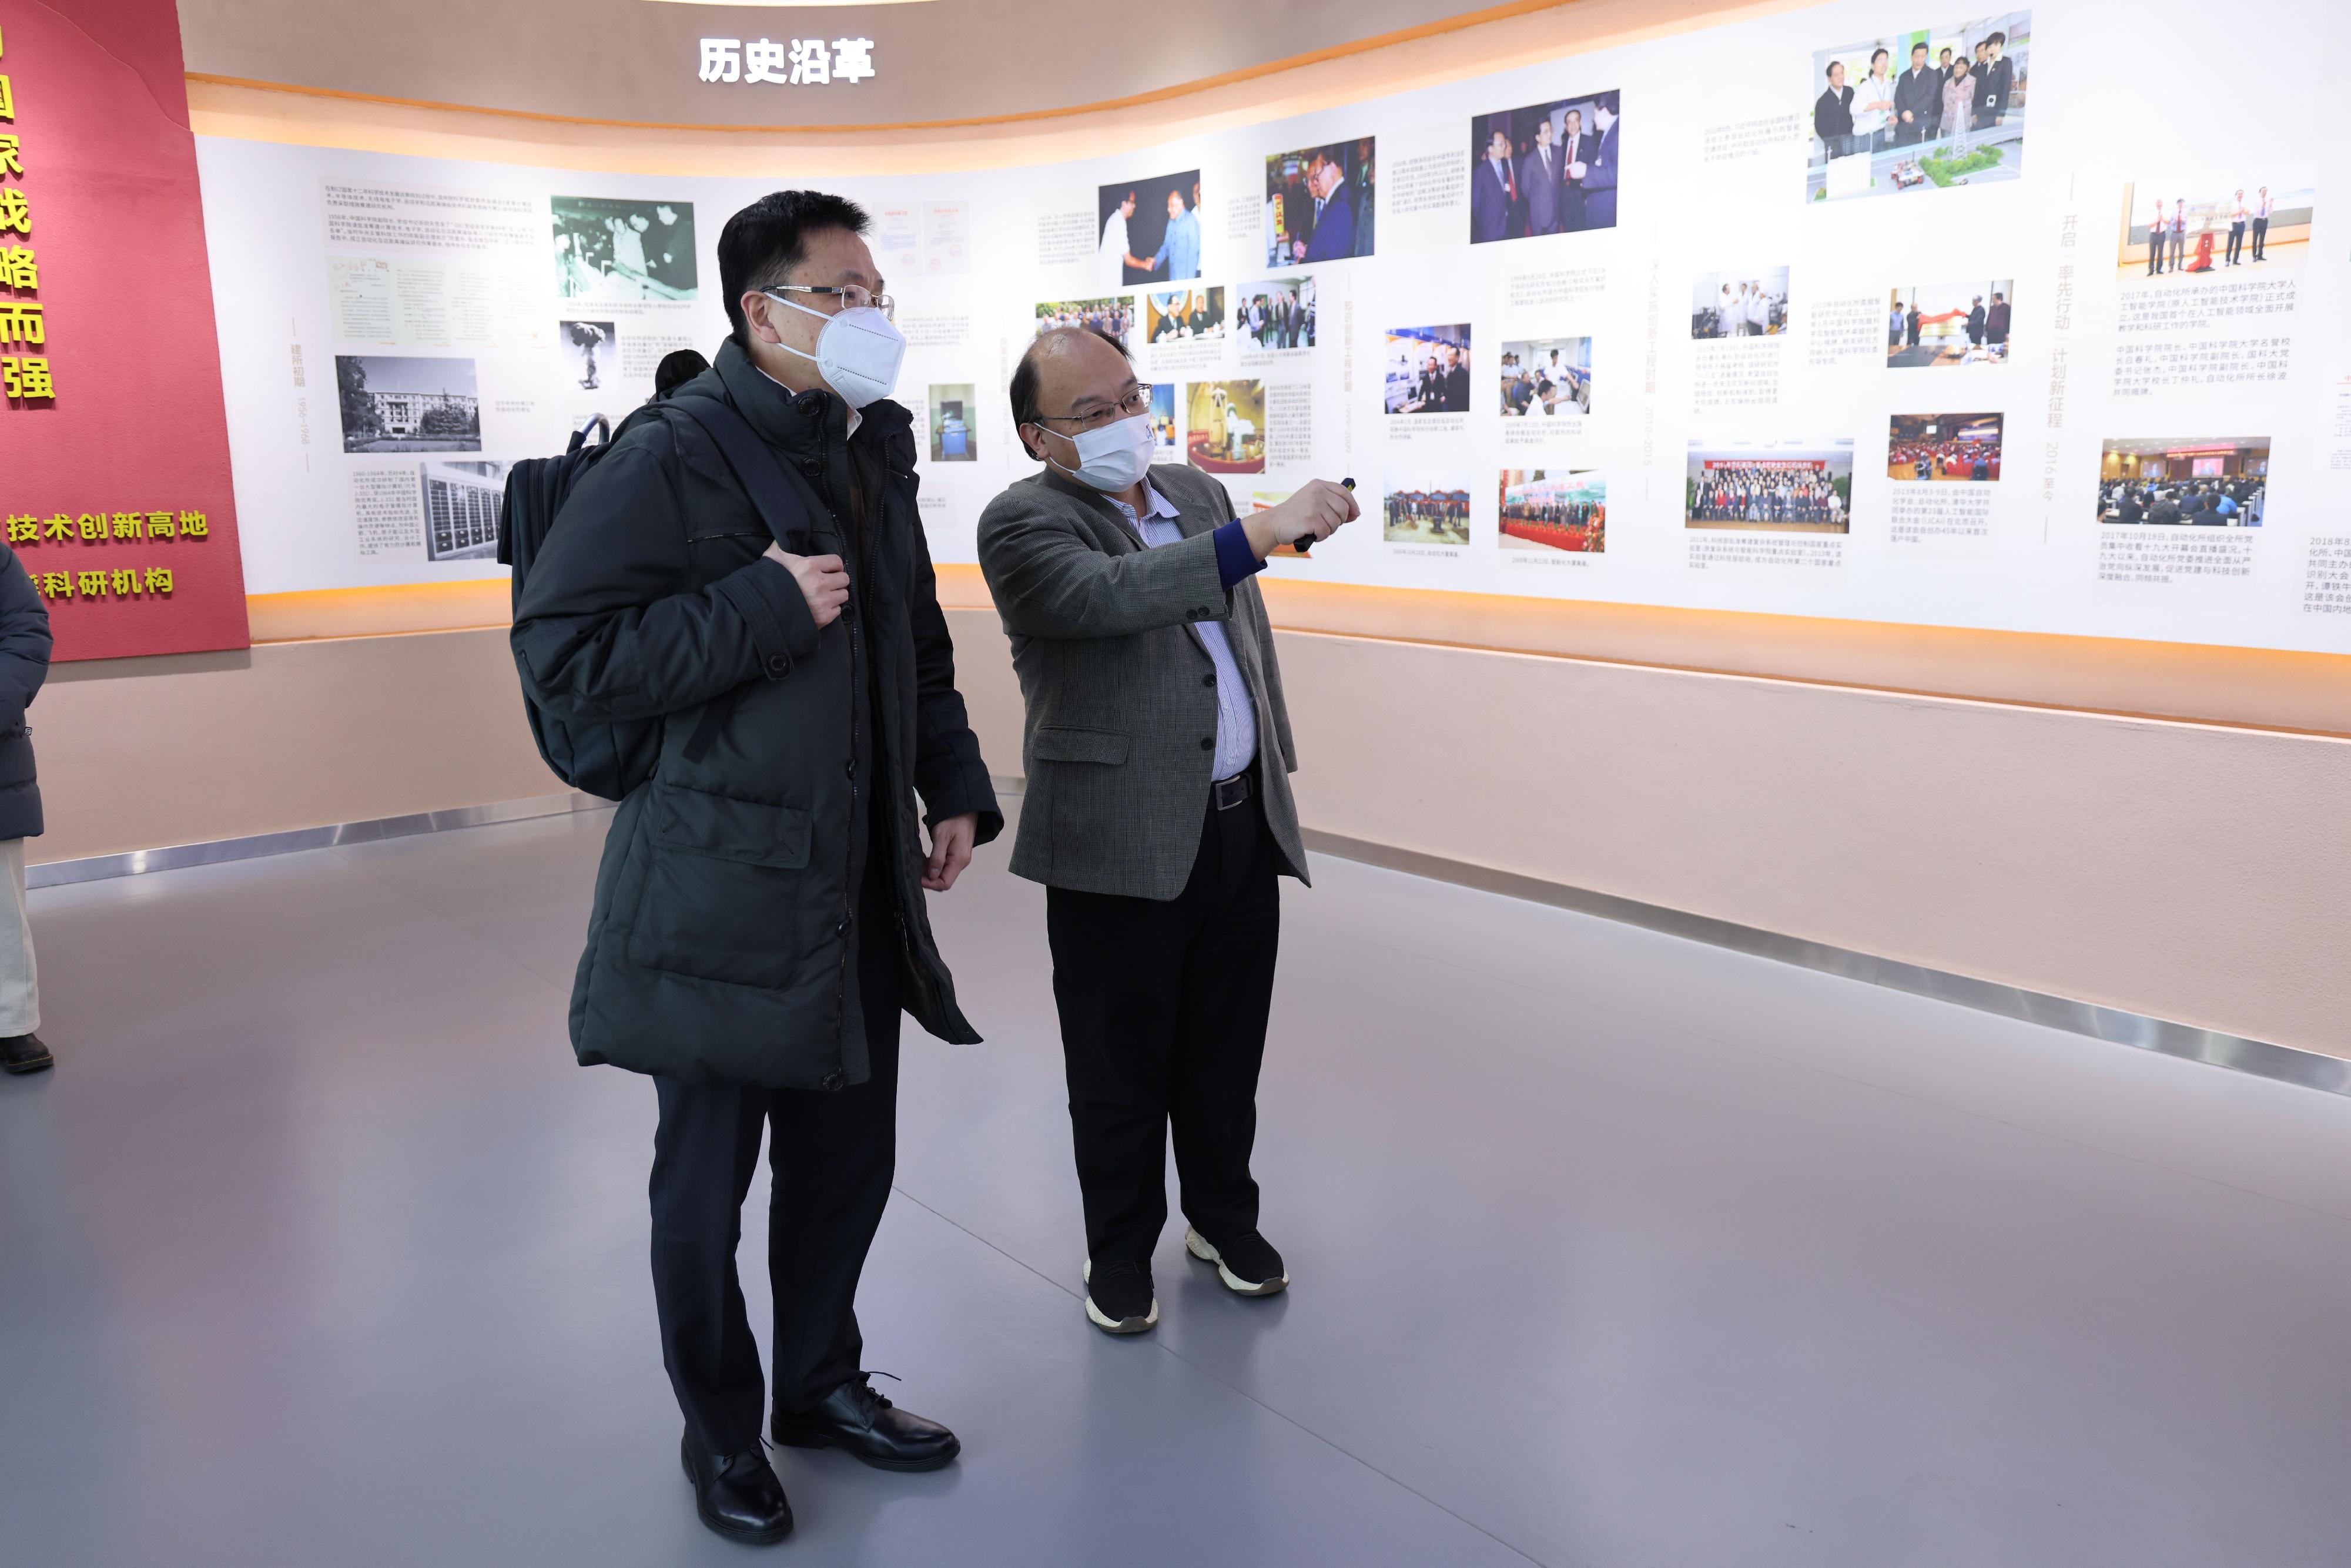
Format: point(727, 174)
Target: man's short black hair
point(1876, 55)
point(1024, 375)
point(2001, 38)
point(761, 245)
point(1919, 47)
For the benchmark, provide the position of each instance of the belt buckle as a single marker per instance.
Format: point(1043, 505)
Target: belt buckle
point(1230, 792)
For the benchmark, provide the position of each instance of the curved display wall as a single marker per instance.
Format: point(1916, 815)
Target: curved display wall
point(1679, 323)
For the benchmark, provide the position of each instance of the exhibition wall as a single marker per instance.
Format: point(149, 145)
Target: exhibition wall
point(1686, 439)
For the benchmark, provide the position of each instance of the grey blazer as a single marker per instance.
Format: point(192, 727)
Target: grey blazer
point(1120, 691)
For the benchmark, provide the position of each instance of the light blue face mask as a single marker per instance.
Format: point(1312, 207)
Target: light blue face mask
point(1111, 456)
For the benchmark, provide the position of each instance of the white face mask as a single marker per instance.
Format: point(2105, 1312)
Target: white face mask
point(857, 353)
point(1113, 456)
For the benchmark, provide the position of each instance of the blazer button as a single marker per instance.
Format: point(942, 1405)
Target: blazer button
point(779, 666)
point(831, 1081)
point(1207, 743)
point(1208, 680)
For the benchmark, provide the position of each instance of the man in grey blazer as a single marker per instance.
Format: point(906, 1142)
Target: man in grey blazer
point(1158, 811)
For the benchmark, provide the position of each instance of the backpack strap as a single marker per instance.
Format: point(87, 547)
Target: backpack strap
point(766, 478)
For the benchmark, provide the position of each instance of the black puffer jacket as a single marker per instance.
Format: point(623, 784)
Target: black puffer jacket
point(23, 665)
point(723, 944)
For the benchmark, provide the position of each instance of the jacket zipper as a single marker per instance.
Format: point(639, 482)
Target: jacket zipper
point(849, 888)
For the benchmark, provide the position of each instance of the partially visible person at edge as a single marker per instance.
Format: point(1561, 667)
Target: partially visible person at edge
point(677, 367)
point(23, 665)
point(758, 919)
point(1158, 814)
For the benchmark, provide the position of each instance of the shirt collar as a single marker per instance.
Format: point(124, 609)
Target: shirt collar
point(1155, 505)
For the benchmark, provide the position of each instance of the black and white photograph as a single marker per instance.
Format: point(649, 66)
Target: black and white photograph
point(1789, 485)
point(1427, 369)
point(1544, 377)
point(1924, 108)
point(606, 249)
point(461, 508)
point(1150, 230)
point(1275, 315)
point(1319, 203)
point(1114, 315)
point(401, 402)
point(1752, 303)
point(2213, 482)
point(952, 406)
point(1932, 325)
point(1183, 316)
point(1547, 169)
point(590, 350)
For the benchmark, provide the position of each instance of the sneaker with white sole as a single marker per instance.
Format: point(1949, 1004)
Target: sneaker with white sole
point(1247, 1263)
point(1119, 1299)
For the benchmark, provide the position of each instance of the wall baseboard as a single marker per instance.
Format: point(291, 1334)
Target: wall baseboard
point(2286, 1064)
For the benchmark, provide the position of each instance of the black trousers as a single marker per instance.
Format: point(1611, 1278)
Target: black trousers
point(2260, 235)
point(2236, 241)
point(832, 1155)
point(1163, 1020)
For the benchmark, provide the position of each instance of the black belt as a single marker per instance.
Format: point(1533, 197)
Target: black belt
point(1230, 792)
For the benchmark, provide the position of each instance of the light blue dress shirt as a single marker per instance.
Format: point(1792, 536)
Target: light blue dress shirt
point(1235, 714)
point(1180, 246)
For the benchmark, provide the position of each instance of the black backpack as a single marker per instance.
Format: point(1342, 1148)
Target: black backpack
point(609, 758)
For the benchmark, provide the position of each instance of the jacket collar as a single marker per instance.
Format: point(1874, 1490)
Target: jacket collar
point(795, 421)
point(1104, 507)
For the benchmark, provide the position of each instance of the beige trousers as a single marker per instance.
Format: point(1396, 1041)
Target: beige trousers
point(20, 988)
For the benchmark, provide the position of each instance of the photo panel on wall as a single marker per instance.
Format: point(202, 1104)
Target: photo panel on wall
point(1920, 108)
point(1545, 377)
point(1932, 447)
point(1320, 203)
point(1545, 169)
point(1552, 509)
point(2205, 482)
point(2188, 227)
point(1424, 507)
point(407, 402)
point(1276, 315)
point(954, 411)
point(1112, 316)
point(1940, 325)
point(1224, 426)
point(1788, 484)
point(1426, 369)
point(1752, 303)
point(1150, 230)
point(608, 249)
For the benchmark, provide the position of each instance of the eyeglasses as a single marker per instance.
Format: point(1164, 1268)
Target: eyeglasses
point(853, 295)
point(1093, 418)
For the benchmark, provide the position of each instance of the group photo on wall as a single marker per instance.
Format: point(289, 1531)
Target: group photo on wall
point(2214, 482)
point(1546, 169)
point(1920, 109)
point(1789, 487)
point(1946, 324)
point(2195, 227)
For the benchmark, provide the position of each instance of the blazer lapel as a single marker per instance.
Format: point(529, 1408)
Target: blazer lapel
point(1119, 535)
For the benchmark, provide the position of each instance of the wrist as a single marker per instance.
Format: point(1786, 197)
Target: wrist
point(1258, 531)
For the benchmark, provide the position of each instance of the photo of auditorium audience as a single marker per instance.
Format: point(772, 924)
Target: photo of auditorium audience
point(1547, 377)
point(1750, 304)
point(1427, 370)
point(1930, 446)
point(1547, 169)
point(1920, 108)
point(1415, 510)
point(1115, 316)
point(1776, 486)
point(1319, 203)
point(2215, 482)
point(1278, 314)
point(1937, 324)
point(1554, 509)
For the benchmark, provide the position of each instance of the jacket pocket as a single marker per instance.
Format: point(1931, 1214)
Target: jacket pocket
point(704, 823)
point(1064, 745)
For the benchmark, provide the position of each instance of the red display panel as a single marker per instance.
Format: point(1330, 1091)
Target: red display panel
point(114, 471)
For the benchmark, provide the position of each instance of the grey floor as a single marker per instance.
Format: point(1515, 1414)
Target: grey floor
point(1609, 1249)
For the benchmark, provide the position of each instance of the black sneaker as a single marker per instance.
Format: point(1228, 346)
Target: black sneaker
point(25, 1053)
point(1248, 1264)
point(1119, 1298)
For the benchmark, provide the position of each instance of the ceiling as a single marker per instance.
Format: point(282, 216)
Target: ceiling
point(640, 60)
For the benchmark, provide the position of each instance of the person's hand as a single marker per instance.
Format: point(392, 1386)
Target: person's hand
point(1313, 513)
point(951, 845)
point(824, 581)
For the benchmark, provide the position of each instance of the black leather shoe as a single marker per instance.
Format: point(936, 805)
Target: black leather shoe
point(25, 1053)
point(854, 1418)
point(737, 1495)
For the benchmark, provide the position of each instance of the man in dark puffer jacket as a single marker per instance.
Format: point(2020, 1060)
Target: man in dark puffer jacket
point(759, 921)
point(24, 665)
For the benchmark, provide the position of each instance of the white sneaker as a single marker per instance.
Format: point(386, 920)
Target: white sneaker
point(1127, 1304)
